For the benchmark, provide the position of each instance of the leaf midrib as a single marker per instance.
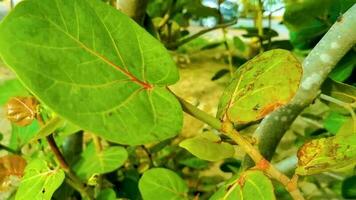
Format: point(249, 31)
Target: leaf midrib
point(131, 77)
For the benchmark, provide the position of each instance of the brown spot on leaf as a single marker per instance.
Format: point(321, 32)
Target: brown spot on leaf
point(269, 108)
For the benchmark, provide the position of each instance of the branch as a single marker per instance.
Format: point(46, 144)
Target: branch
point(228, 130)
point(73, 180)
point(196, 35)
point(317, 65)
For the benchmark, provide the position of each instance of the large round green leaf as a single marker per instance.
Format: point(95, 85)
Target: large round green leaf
point(95, 67)
point(261, 85)
point(160, 183)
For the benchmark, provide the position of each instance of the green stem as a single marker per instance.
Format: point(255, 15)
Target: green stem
point(199, 114)
point(74, 180)
point(227, 129)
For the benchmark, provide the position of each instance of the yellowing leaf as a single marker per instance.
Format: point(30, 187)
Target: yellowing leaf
point(261, 85)
point(326, 154)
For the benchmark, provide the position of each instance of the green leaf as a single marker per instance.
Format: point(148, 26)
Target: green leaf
point(95, 67)
point(39, 181)
point(250, 185)
point(160, 183)
point(255, 91)
point(23, 135)
point(239, 44)
point(334, 121)
point(11, 88)
point(208, 146)
point(349, 188)
point(105, 161)
point(107, 194)
point(326, 154)
point(343, 70)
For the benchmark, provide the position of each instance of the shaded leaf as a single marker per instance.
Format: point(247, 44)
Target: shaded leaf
point(39, 181)
point(105, 161)
point(160, 183)
point(208, 146)
point(326, 154)
point(121, 95)
point(129, 185)
point(107, 194)
point(349, 188)
point(343, 69)
point(255, 91)
point(250, 185)
point(230, 165)
point(220, 74)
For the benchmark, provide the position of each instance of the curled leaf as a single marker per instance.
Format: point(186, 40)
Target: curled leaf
point(21, 110)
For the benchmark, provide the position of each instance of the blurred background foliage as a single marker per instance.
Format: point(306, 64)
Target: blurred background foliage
point(209, 40)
